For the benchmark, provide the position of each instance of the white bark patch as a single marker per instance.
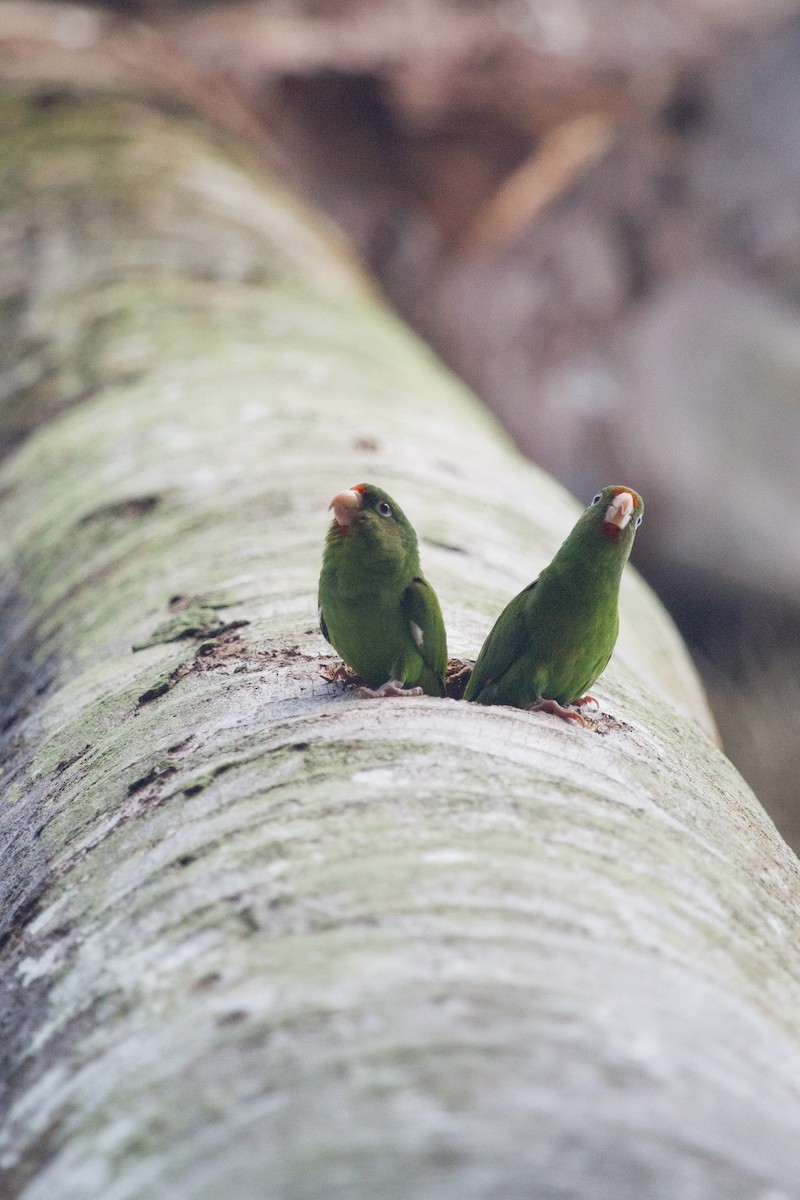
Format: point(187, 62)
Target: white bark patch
point(34, 968)
point(379, 777)
point(449, 854)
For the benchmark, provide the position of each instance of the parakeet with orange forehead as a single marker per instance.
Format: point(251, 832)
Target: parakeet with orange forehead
point(376, 608)
point(555, 638)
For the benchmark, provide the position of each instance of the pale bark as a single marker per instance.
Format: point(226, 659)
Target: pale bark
point(265, 939)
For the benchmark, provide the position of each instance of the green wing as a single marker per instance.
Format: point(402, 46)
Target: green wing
point(420, 608)
point(505, 643)
point(323, 628)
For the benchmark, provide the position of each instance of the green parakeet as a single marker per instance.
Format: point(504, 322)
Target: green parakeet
point(375, 606)
point(551, 642)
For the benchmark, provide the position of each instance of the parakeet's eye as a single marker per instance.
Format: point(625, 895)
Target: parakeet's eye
point(639, 520)
point(598, 498)
point(385, 508)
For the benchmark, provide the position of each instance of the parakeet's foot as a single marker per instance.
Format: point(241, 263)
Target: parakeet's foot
point(392, 687)
point(558, 710)
point(586, 700)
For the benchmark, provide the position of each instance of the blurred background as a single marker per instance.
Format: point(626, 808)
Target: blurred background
point(591, 209)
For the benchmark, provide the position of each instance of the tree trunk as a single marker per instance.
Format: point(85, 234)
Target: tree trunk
point(263, 939)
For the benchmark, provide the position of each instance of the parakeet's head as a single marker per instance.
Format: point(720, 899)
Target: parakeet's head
point(613, 518)
point(604, 533)
point(366, 514)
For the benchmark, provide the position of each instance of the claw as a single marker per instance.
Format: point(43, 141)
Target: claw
point(558, 710)
point(586, 700)
point(392, 687)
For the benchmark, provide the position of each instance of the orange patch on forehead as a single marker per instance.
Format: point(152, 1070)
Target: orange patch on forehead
point(359, 487)
point(619, 491)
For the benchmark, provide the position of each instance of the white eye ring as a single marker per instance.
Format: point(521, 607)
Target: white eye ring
point(597, 498)
point(384, 508)
point(639, 520)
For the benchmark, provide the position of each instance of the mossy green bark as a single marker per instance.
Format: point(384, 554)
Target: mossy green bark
point(263, 938)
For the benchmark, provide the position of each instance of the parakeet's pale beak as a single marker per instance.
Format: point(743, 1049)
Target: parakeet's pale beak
point(345, 506)
point(620, 510)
